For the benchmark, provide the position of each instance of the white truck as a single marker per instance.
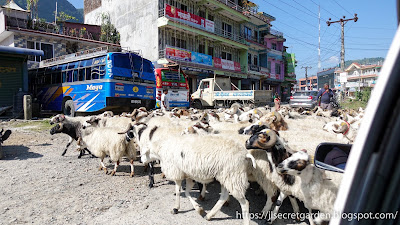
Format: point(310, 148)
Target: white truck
point(217, 92)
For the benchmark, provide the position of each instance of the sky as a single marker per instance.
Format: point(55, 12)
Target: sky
point(370, 36)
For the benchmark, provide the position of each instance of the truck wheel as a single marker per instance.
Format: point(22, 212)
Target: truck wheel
point(198, 105)
point(69, 108)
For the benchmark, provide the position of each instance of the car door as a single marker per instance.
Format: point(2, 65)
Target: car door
point(371, 182)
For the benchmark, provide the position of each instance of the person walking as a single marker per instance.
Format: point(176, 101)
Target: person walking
point(164, 101)
point(324, 97)
point(277, 101)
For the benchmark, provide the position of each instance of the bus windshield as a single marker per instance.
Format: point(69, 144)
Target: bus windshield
point(173, 79)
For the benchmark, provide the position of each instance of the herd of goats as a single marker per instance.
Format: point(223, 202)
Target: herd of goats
point(233, 146)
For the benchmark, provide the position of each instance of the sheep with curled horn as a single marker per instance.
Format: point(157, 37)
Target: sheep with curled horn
point(342, 128)
point(275, 121)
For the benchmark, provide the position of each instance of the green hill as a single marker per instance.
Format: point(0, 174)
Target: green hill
point(365, 61)
point(46, 9)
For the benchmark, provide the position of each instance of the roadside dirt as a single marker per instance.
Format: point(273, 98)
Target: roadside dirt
point(39, 186)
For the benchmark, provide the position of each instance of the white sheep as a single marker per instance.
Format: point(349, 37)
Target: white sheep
point(311, 185)
point(201, 160)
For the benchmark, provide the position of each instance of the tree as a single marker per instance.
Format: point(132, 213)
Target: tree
point(108, 31)
point(62, 17)
point(32, 5)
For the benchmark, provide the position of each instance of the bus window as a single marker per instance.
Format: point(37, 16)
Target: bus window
point(88, 73)
point(95, 72)
point(75, 75)
point(102, 71)
point(81, 75)
point(69, 76)
point(64, 77)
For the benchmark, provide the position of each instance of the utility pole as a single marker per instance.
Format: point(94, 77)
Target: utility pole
point(306, 67)
point(342, 22)
point(319, 39)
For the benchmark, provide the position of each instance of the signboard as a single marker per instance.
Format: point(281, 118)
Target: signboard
point(178, 54)
point(196, 70)
point(226, 64)
point(201, 58)
point(264, 70)
point(343, 77)
point(189, 18)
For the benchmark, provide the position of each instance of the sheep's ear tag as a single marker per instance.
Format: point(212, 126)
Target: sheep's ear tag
point(343, 123)
point(259, 123)
point(267, 132)
point(255, 111)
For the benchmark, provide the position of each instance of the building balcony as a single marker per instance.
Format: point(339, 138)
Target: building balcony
point(76, 30)
point(356, 84)
point(274, 34)
point(199, 60)
point(188, 22)
point(226, 8)
point(275, 52)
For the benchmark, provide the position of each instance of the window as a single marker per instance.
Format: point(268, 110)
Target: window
point(184, 7)
point(178, 42)
point(47, 49)
point(255, 60)
point(206, 84)
point(227, 29)
point(273, 46)
point(88, 73)
point(81, 75)
point(210, 17)
point(211, 51)
point(202, 14)
point(247, 33)
point(75, 75)
point(303, 82)
point(255, 35)
point(314, 81)
point(202, 49)
point(31, 45)
point(269, 65)
point(249, 59)
point(226, 55)
point(277, 68)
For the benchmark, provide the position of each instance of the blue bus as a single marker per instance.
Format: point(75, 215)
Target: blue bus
point(94, 81)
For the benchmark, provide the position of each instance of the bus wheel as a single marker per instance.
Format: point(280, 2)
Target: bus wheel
point(198, 105)
point(69, 108)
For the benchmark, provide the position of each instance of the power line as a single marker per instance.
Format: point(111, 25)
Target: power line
point(324, 9)
point(289, 13)
point(370, 49)
point(306, 8)
point(374, 38)
point(342, 7)
point(375, 28)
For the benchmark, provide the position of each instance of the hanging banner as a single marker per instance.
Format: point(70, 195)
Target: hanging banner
point(226, 64)
point(189, 18)
point(201, 58)
point(178, 54)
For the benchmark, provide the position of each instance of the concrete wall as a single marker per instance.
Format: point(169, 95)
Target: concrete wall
point(134, 20)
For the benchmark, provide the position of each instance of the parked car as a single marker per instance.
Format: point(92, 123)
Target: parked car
point(305, 99)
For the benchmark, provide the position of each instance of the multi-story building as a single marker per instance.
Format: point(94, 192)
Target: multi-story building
point(17, 30)
point(205, 37)
point(288, 85)
point(312, 83)
point(329, 76)
point(361, 76)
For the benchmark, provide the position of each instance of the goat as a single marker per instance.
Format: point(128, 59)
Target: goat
point(74, 132)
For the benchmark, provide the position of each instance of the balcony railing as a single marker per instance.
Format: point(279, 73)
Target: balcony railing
point(217, 31)
point(276, 52)
point(232, 5)
point(254, 40)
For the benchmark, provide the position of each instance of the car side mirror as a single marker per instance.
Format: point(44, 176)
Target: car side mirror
point(332, 156)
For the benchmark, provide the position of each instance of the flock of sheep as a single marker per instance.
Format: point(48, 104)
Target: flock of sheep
point(233, 146)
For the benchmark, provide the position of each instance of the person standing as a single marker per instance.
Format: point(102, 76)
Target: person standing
point(165, 101)
point(324, 96)
point(277, 101)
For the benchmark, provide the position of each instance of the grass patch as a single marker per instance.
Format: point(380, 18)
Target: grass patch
point(38, 125)
point(353, 104)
